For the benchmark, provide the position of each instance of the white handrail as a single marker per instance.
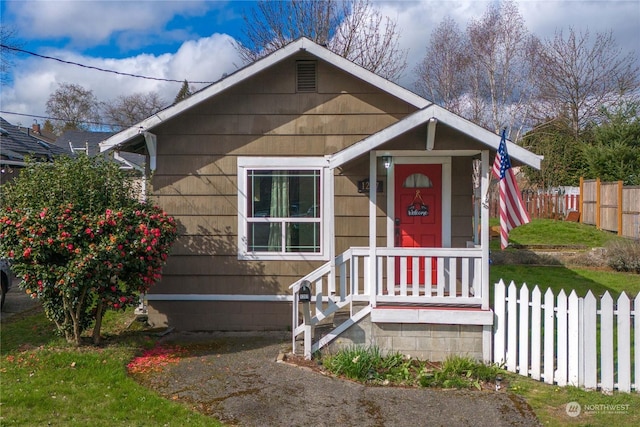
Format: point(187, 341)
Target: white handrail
point(435, 276)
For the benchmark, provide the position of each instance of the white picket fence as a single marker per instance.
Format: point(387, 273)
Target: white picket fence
point(568, 340)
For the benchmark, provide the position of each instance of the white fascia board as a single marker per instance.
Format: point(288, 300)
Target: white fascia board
point(421, 117)
point(303, 44)
point(374, 141)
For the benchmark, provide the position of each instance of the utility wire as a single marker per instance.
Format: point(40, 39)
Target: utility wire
point(15, 49)
point(58, 119)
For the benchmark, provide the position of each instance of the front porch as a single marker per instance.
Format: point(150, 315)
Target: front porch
point(386, 302)
point(422, 281)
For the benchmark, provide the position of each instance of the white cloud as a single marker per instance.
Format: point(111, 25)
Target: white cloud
point(205, 59)
point(35, 79)
point(86, 23)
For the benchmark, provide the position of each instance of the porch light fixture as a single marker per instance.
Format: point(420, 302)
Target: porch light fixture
point(386, 160)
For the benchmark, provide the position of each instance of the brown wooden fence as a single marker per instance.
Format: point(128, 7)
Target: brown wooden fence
point(611, 206)
point(547, 205)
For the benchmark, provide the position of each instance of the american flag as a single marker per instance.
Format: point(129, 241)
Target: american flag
point(512, 210)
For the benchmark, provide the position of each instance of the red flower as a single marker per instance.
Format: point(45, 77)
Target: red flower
point(27, 253)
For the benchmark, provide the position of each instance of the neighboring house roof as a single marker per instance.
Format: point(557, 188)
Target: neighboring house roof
point(79, 141)
point(74, 141)
point(15, 145)
point(38, 132)
point(134, 134)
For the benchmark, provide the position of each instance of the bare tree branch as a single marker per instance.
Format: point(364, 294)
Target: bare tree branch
point(351, 28)
point(74, 106)
point(579, 76)
point(127, 110)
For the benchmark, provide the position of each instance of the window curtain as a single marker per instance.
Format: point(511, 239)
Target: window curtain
point(279, 209)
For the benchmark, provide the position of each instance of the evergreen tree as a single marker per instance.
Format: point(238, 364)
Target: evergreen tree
point(184, 92)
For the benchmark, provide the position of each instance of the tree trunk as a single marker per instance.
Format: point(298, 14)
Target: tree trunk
point(98, 325)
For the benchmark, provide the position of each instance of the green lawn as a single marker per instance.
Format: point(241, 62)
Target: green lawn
point(568, 278)
point(44, 381)
point(561, 233)
point(552, 232)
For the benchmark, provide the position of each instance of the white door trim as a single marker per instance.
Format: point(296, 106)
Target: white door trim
point(446, 194)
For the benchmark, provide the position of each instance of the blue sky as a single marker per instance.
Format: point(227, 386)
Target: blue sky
point(194, 40)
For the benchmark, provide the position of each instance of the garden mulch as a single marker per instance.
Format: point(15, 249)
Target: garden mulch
point(244, 379)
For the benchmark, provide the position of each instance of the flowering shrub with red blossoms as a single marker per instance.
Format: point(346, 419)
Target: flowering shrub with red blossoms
point(86, 254)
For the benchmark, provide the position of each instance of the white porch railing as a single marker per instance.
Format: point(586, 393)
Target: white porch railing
point(449, 276)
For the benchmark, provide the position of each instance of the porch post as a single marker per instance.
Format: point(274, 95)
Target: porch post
point(487, 330)
point(373, 279)
point(484, 227)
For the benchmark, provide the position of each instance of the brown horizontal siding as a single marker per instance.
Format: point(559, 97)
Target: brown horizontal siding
point(248, 145)
point(345, 242)
point(350, 206)
point(357, 226)
point(311, 103)
point(239, 124)
point(200, 185)
point(248, 284)
point(210, 245)
point(200, 205)
point(178, 164)
point(229, 265)
point(206, 224)
point(221, 316)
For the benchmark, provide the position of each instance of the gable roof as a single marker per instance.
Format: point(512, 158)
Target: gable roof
point(302, 44)
point(427, 109)
point(421, 117)
point(15, 144)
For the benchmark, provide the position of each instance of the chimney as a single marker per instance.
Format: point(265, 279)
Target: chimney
point(36, 127)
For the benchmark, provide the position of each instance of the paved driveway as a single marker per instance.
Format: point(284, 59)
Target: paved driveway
point(237, 379)
point(17, 301)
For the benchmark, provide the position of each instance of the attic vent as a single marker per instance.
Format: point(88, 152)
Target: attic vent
point(306, 76)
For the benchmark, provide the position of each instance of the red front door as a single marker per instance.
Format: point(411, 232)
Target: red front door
point(418, 212)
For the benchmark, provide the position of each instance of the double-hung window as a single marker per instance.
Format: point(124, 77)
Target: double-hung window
point(281, 209)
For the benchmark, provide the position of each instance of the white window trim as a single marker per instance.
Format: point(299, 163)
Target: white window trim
point(290, 163)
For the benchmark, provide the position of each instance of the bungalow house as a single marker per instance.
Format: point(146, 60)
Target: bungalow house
point(303, 176)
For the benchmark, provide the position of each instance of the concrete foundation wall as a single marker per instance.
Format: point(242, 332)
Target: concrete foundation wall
point(423, 341)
